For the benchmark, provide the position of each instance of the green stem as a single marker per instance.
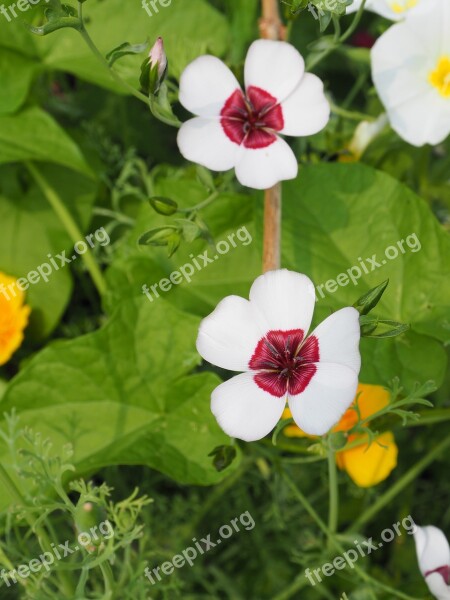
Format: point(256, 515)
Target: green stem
point(209, 200)
point(105, 212)
point(337, 42)
point(334, 492)
point(363, 575)
point(90, 43)
point(350, 114)
point(154, 107)
point(108, 578)
point(337, 27)
point(41, 534)
point(399, 485)
point(71, 227)
point(354, 23)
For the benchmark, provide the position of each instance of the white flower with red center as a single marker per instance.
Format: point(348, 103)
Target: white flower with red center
point(411, 73)
point(240, 130)
point(433, 555)
point(266, 338)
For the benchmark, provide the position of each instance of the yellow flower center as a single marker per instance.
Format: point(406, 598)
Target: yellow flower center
point(403, 5)
point(440, 77)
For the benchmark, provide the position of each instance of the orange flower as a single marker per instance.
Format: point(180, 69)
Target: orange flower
point(366, 465)
point(13, 317)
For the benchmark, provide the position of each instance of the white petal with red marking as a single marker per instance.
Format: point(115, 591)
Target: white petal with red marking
point(330, 392)
point(275, 67)
point(284, 300)
point(245, 411)
point(203, 141)
point(438, 587)
point(205, 86)
point(432, 548)
point(262, 168)
point(339, 337)
point(306, 111)
point(229, 335)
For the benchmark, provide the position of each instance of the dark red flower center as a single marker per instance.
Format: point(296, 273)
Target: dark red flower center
point(285, 363)
point(444, 571)
point(253, 119)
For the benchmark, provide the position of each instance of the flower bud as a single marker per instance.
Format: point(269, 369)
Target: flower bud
point(154, 68)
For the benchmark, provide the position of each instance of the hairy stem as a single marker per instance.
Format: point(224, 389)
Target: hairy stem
point(271, 28)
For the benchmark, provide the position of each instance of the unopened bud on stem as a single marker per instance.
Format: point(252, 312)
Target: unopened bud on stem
point(154, 68)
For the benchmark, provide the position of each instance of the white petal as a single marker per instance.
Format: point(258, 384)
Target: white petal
point(229, 335)
point(276, 67)
point(204, 141)
point(422, 120)
point(306, 111)
point(401, 63)
point(262, 168)
point(381, 7)
point(339, 337)
point(438, 587)
point(432, 548)
point(330, 392)
point(244, 410)
point(205, 85)
point(429, 23)
point(283, 300)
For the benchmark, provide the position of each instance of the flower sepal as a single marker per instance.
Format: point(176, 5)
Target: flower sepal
point(369, 300)
point(163, 206)
point(374, 327)
point(223, 456)
point(337, 440)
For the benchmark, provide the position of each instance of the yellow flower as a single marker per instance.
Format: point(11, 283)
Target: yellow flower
point(366, 465)
point(13, 317)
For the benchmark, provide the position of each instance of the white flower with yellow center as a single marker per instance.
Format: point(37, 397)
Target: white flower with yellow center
point(411, 72)
point(394, 10)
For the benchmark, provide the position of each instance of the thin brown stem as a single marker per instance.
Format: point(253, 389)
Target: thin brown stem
point(272, 228)
point(272, 28)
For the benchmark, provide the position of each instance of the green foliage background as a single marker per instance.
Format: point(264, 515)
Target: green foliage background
point(119, 377)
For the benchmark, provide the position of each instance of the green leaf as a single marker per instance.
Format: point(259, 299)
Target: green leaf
point(231, 273)
point(34, 135)
point(17, 73)
point(125, 49)
point(122, 395)
point(31, 231)
point(188, 29)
